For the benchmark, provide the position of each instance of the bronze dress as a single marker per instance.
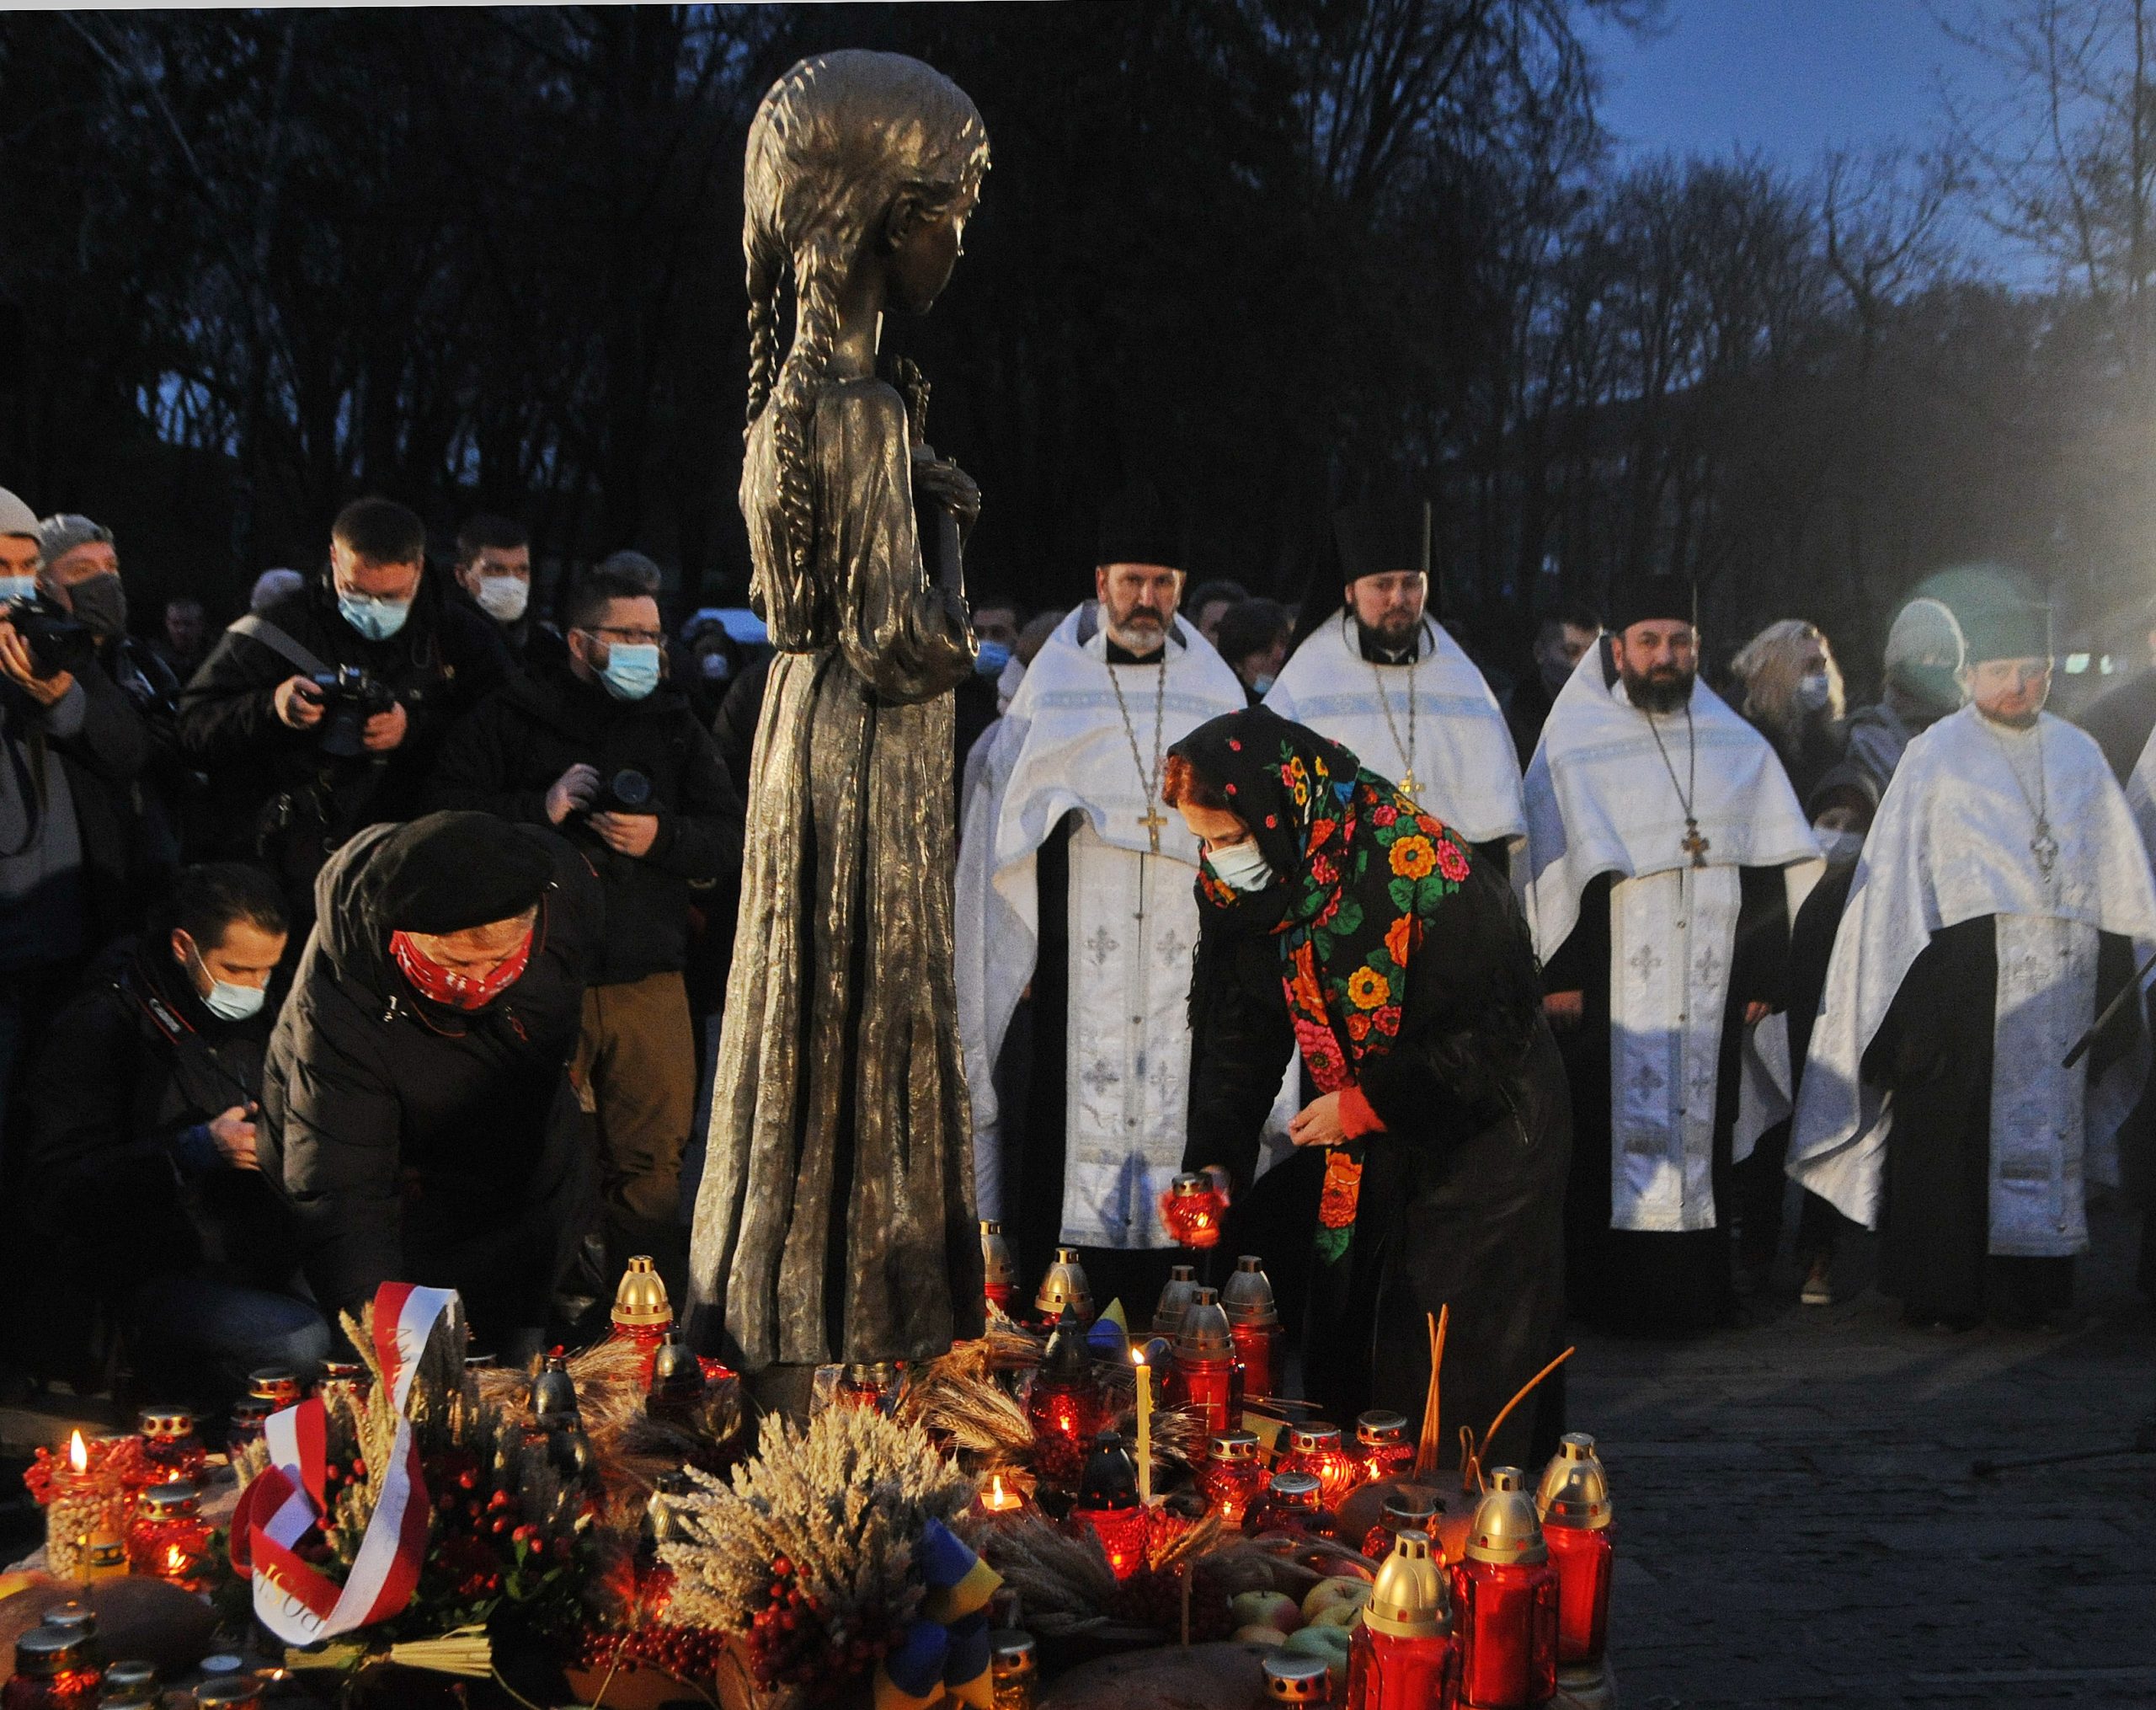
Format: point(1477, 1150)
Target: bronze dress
point(836, 1219)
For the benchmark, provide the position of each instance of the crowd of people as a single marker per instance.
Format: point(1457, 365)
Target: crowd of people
point(380, 937)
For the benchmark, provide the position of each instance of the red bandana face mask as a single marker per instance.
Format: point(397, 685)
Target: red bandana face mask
point(455, 990)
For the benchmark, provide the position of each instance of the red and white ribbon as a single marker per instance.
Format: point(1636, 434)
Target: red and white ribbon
point(296, 1601)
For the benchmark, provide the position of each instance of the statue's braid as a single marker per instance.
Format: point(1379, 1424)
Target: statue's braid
point(793, 397)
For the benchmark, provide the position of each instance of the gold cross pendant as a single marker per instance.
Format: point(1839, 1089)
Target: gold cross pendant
point(1152, 820)
point(1693, 844)
point(1411, 789)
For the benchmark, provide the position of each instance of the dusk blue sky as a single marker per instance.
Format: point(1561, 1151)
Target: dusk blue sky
point(1790, 77)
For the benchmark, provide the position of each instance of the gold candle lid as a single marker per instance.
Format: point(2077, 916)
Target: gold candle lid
point(1064, 1285)
point(164, 1423)
point(1504, 1528)
point(1234, 1446)
point(1290, 1679)
point(1575, 1489)
point(640, 1301)
point(1409, 1599)
point(175, 1501)
point(1380, 1426)
point(1313, 1438)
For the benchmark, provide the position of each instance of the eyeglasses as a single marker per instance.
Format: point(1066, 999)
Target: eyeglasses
point(648, 638)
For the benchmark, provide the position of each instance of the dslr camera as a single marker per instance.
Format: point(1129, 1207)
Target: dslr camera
point(57, 642)
point(350, 695)
point(627, 791)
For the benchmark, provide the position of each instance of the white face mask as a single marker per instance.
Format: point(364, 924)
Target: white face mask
point(228, 1002)
point(1240, 865)
point(1839, 847)
point(1812, 692)
point(503, 598)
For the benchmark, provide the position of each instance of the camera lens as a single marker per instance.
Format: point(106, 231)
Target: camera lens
point(631, 788)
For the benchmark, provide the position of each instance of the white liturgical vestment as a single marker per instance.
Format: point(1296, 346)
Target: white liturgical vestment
point(1065, 746)
point(1602, 797)
point(1434, 717)
point(1957, 839)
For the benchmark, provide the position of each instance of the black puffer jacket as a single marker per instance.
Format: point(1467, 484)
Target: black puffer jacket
point(113, 1199)
point(422, 1144)
point(506, 756)
point(276, 797)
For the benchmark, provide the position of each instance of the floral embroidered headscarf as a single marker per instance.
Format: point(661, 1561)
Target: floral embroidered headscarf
point(1360, 871)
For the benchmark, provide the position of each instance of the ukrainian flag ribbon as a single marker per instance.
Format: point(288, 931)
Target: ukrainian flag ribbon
point(944, 1649)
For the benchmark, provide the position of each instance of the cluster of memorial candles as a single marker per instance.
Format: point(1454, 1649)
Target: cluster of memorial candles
point(1529, 1595)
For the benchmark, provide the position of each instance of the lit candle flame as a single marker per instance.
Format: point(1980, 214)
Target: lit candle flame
point(79, 1454)
point(1000, 1501)
point(175, 1561)
point(1138, 1356)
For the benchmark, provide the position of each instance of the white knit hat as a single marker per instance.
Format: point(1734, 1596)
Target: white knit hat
point(15, 516)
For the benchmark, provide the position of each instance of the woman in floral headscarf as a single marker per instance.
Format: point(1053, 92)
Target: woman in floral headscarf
point(1344, 922)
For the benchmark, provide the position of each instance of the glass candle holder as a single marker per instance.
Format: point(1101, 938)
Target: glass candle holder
point(1013, 1669)
point(1382, 1445)
point(1064, 1288)
point(999, 1271)
point(53, 1671)
point(1204, 1365)
point(1315, 1449)
point(343, 1375)
point(243, 1428)
point(642, 1314)
point(1254, 1321)
point(1402, 1656)
point(171, 1450)
point(1403, 1511)
point(1290, 1504)
point(167, 1537)
point(1192, 1212)
point(1579, 1526)
point(1231, 1477)
point(1505, 1601)
point(84, 1495)
point(872, 1386)
point(1107, 1503)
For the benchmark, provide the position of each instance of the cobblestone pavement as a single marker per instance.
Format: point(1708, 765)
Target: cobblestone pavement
point(1800, 1525)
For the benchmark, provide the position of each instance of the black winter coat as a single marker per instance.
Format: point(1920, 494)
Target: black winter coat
point(1463, 1192)
point(506, 756)
point(102, 761)
point(131, 1063)
point(422, 1144)
point(276, 797)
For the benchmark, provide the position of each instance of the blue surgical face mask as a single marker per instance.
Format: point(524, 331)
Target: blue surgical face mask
point(17, 588)
point(631, 670)
point(990, 658)
point(1262, 684)
point(1240, 865)
point(376, 619)
point(228, 1002)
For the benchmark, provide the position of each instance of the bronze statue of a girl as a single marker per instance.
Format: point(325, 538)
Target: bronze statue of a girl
point(836, 1218)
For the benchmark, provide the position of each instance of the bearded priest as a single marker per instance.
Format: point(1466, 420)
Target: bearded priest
point(1077, 917)
point(1380, 676)
point(1667, 855)
point(2004, 861)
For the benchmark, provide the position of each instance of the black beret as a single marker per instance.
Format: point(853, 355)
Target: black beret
point(452, 871)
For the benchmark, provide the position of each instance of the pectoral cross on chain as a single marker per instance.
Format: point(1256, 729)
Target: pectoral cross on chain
point(1693, 843)
point(1152, 820)
point(2044, 847)
point(1410, 789)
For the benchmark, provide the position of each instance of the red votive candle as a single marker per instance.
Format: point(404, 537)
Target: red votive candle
point(1254, 1320)
point(1231, 1479)
point(1205, 1364)
point(1290, 1504)
point(1505, 1599)
point(1382, 1445)
point(1192, 1211)
point(1402, 1655)
point(1107, 1503)
point(1578, 1525)
point(1315, 1448)
point(998, 1268)
point(171, 1450)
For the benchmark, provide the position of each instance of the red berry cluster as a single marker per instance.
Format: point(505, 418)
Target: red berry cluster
point(687, 1653)
point(1148, 1598)
point(791, 1645)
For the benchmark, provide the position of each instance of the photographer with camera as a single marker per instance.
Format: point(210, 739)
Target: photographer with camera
point(323, 714)
point(73, 745)
point(606, 751)
point(81, 577)
point(143, 1201)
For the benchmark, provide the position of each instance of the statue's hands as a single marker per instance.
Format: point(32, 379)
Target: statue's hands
point(951, 488)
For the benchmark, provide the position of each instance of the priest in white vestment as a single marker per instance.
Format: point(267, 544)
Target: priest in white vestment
point(1666, 856)
point(1381, 677)
point(2002, 898)
point(1076, 922)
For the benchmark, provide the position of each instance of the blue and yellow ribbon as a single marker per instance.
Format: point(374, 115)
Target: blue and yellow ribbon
point(945, 1649)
